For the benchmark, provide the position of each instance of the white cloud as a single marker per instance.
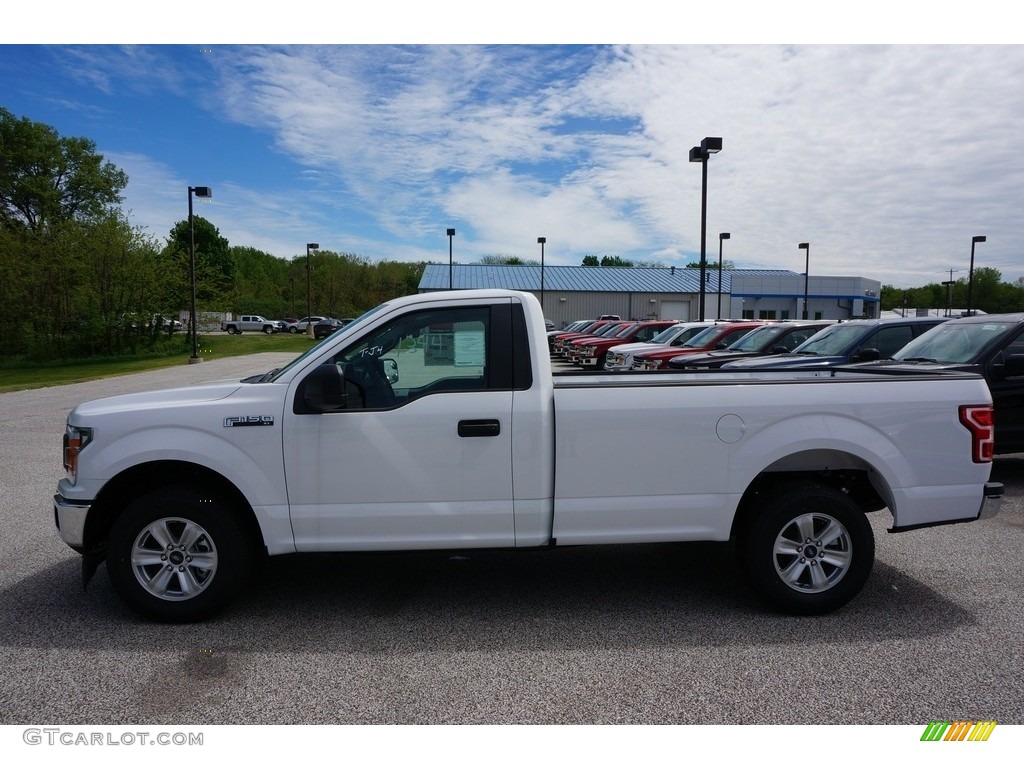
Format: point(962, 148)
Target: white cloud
point(886, 159)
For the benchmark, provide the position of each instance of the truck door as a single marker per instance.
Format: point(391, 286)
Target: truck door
point(420, 455)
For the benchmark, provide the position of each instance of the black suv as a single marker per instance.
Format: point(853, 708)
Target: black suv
point(771, 339)
point(991, 345)
point(852, 341)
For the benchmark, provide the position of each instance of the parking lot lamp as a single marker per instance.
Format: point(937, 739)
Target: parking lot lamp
point(721, 236)
point(807, 269)
point(451, 233)
point(309, 289)
point(204, 192)
point(542, 240)
point(709, 145)
point(970, 275)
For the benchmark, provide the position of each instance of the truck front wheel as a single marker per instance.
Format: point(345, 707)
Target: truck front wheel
point(809, 551)
point(177, 555)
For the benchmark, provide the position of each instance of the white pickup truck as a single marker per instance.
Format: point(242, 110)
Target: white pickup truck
point(434, 422)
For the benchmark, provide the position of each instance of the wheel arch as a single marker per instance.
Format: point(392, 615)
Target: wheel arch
point(143, 478)
point(841, 470)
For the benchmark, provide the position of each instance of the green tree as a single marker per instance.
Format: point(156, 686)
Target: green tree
point(499, 259)
point(591, 261)
point(46, 179)
point(726, 264)
point(215, 267)
point(615, 261)
point(262, 283)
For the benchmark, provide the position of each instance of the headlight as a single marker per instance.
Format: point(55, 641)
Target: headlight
point(75, 439)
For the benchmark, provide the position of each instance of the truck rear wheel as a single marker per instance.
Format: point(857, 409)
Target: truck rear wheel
point(176, 556)
point(809, 551)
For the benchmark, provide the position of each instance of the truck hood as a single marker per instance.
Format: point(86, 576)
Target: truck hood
point(157, 399)
point(916, 366)
point(714, 358)
point(786, 361)
point(634, 346)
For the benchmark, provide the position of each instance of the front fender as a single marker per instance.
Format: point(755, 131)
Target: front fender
point(249, 458)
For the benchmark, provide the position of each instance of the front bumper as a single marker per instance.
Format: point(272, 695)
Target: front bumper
point(69, 517)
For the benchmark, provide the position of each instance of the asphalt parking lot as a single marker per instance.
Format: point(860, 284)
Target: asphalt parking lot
point(635, 634)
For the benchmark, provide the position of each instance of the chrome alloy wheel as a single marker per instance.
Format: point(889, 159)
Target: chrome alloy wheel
point(812, 552)
point(174, 559)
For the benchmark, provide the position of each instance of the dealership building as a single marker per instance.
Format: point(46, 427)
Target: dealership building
point(667, 293)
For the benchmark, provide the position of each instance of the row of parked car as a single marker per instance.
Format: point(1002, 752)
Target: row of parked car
point(322, 326)
point(989, 345)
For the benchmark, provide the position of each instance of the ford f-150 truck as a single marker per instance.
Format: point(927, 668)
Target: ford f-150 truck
point(434, 422)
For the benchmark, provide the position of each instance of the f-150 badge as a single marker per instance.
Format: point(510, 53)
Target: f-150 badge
point(249, 421)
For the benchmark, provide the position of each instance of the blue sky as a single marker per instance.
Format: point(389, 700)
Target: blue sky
point(886, 158)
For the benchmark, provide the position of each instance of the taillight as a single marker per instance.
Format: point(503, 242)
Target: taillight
point(980, 421)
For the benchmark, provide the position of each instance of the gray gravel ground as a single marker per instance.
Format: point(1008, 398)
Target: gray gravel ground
point(636, 634)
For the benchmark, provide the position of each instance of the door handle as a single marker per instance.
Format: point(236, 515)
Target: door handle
point(479, 428)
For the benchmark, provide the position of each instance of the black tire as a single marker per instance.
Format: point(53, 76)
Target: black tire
point(178, 555)
point(233, 329)
point(809, 551)
point(293, 329)
point(268, 329)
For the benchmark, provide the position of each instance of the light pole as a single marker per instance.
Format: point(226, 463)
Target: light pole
point(949, 291)
point(970, 275)
point(721, 236)
point(708, 146)
point(451, 233)
point(807, 270)
point(309, 289)
point(205, 192)
point(542, 240)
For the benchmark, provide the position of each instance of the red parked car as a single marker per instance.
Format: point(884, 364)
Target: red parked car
point(558, 340)
point(591, 353)
point(718, 336)
point(564, 346)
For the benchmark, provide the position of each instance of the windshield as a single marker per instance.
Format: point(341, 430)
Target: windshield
point(834, 340)
point(666, 336)
point(705, 337)
point(626, 331)
point(953, 342)
point(312, 350)
point(686, 335)
point(758, 338)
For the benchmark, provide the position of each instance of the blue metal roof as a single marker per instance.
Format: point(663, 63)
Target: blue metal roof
point(526, 277)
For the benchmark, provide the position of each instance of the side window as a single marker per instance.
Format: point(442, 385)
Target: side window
point(733, 336)
point(648, 333)
point(889, 341)
point(796, 338)
point(418, 354)
point(1015, 347)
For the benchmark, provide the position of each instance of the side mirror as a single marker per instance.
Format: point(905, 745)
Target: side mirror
point(390, 369)
point(323, 391)
point(780, 349)
point(866, 355)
